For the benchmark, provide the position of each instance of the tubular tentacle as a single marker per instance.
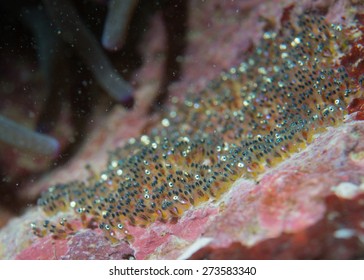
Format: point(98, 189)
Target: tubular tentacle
point(26, 139)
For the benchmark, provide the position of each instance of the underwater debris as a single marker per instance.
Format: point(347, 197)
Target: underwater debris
point(248, 119)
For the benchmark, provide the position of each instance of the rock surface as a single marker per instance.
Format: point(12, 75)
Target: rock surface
point(310, 206)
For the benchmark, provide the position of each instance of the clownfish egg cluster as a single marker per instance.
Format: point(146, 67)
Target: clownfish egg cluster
point(249, 118)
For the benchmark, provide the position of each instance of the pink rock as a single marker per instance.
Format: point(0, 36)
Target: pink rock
point(298, 197)
point(44, 249)
point(85, 245)
point(299, 209)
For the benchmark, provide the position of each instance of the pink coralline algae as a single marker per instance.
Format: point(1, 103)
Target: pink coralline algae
point(226, 173)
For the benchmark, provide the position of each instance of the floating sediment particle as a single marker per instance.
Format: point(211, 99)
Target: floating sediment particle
point(250, 118)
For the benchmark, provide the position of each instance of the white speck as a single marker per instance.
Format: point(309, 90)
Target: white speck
point(232, 70)
point(283, 47)
point(103, 177)
point(262, 70)
point(344, 233)
point(104, 213)
point(346, 190)
point(196, 105)
point(173, 114)
point(165, 122)
point(145, 140)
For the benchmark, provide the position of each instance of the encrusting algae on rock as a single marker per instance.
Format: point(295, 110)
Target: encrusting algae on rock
point(251, 117)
